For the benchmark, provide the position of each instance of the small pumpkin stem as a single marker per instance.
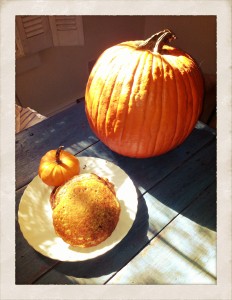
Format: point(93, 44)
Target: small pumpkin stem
point(156, 41)
point(58, 161)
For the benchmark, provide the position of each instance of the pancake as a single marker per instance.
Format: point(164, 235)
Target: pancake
point(85, 210)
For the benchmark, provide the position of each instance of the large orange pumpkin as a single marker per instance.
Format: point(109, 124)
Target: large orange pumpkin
point(143, 98)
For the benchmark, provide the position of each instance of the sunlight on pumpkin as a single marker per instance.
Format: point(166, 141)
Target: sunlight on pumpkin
point(139, 85)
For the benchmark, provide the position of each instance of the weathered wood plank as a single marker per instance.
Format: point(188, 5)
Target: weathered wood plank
point(26, 256)
point(69, 128)
point(147, 172)
point(182, 186)
point(183, 253)
point(159, 206)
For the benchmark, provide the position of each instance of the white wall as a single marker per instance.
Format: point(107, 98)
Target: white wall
point(54, 78)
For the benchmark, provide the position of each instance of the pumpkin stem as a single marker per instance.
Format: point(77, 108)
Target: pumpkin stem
point(58, 161)
point(156, 41)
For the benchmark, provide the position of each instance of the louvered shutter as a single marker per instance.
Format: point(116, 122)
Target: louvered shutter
point(67, 30)
point(34, 32)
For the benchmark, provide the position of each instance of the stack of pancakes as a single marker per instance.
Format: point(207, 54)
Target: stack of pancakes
point(85, 210)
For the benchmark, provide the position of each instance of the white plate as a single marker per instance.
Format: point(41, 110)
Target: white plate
point(35, 214)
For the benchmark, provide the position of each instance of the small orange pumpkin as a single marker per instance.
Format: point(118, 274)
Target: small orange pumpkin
point(143, 98)
point(58, 166)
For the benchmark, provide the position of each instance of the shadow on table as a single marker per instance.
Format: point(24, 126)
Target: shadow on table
point(176, 179)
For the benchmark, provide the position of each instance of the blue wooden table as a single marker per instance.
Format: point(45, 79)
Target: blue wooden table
point(173, 237)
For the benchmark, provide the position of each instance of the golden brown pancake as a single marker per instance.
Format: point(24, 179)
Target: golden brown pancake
point(85, 210)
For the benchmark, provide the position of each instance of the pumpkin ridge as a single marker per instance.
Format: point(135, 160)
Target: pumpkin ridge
point(109, 103)
point(90, 103)
point(171, 106)
point(56, 172)
point(103, 86)
point(189, 102)
point(189, 108)
point(186, 108)
point(62, 175)
point(161, 111)
point(168, 105)
point(134, 86)
point(145, 100)
point(157, 89)
point(152, 97)
point(177, 129)
point(150, 107)
point(117, 95)
point(121, 139)
point(102, 98)
point(193, 104)
point(183, 105)
point(193, 113)
point(107, 83)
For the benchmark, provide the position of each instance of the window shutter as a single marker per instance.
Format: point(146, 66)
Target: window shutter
point(34, 32)
point(67, 30)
